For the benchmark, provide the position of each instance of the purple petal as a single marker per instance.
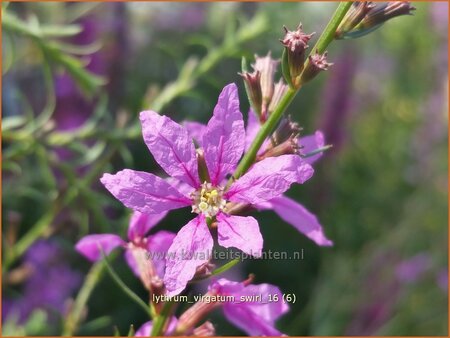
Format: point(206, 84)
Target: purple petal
point(255, 316)
point(310, 143)
point(89, 246)
point(156, 250)
point(171, 146)
point(191, 248)
point(158, 245)
point(269, 178)
point(145, 330)
point(240, 232)
point(144, 192)
point(252, 129)
point(299, 217)
point(132, 263)
point(196, 131)
point(224, 139)
point(141, 223)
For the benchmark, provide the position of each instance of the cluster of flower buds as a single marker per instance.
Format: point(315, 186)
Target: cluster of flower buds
point(364, 17)
point(285, 140)
point(263, 93)
point(295, 69)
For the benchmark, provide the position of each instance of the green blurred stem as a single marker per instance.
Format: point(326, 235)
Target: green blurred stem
point(92, 278)
point(225, 267)
point(36, 231)
point(123, 286)
point(160, 321)
point(330, 30)
point(324, 40)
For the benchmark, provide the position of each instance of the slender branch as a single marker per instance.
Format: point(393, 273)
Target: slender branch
point(73, 318)
point(123, 286)
point(324, 40)
point(160, 321)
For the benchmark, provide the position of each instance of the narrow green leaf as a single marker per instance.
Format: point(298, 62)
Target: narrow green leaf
point(285, 69)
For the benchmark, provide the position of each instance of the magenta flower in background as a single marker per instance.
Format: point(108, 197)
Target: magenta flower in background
point(412, 269)
point(46, 261)
point(223, 144)
point(253, 315)
point(136, 249)
point(288, 210)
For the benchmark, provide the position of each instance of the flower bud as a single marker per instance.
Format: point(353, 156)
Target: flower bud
point(386, 12)
point(278, 92)
point(205, 330)
point(253, 85)
point(285, 130)
point(296, 43)
point(316, 64)
point(266, 66)
point(375, 16)
point(356, 13)
point(196, 313)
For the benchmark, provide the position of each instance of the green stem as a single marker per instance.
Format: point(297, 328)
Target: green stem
point(263, 133)
point(123, 286)
point(225, 267)
point(36, 231)
point(329, 32)
point(91, 280)
point(160, 321)
point(324, 40)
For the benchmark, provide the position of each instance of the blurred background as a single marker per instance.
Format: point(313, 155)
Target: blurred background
point(76, 75)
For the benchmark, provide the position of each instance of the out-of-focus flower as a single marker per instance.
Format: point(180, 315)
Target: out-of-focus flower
point(223, 144)
point(442, 279)
point(254, 308)
point(337, 101)
point(144, 254)
point(410, 270)
point(46, 262)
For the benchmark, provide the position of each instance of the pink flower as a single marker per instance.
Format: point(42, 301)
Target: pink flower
point(288, 210)
point(254, 316)
point(223, 143)
point(139, 248)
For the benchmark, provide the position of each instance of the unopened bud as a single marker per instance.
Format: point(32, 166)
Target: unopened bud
point(296, 43)
point(196, 313)
point(278, 92)
point(356, 13)
point(266, 66)
point(386, 12)
point(285, 130)
point(375, 17)
point(290, 146)
point(204, 270)
point(317, 63)
point(205, 330)
point(253, 86)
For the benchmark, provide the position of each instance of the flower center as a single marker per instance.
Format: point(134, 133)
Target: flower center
point(208, 200)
